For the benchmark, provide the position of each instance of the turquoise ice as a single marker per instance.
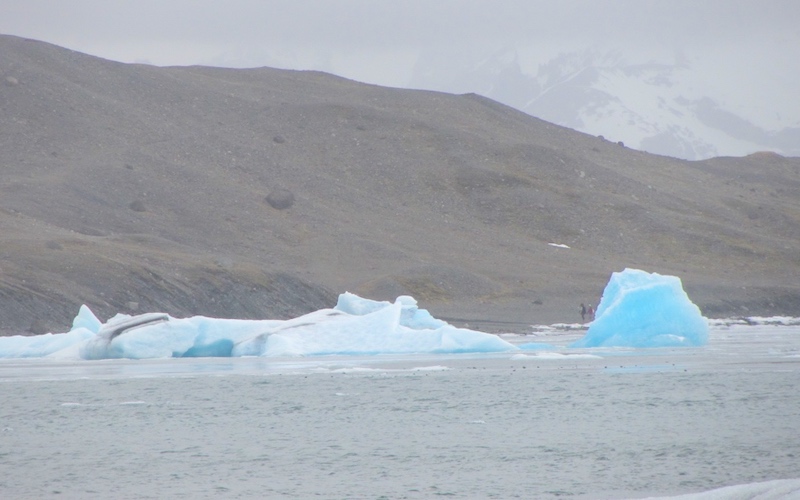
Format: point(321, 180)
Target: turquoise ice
point(638, 309)
point(356, 326)
point(641, 309)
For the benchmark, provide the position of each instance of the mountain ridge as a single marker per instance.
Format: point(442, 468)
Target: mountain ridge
point(136, 188)
point(652, 105)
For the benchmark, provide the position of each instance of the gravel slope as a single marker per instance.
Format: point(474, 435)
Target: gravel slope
point(264, 193)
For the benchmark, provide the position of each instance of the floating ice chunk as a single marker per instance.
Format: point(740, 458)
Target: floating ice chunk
point(40, 346)
point(778, 489)
point(382, 330)
point(640, 309)
point(410, 314)
point(337, 333)
point(434, 368)
point(197, 336)
point(458, 340)
point(86, 319)
point(355, 326)
point(84, 326)
point(351, 303)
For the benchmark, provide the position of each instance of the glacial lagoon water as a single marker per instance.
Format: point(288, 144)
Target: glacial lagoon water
point(579, 423)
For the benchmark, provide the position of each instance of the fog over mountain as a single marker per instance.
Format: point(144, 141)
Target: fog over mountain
point(661, 107)
point(691, 80)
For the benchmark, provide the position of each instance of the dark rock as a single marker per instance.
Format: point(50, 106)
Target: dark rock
point(280, 199)
point(137, 206)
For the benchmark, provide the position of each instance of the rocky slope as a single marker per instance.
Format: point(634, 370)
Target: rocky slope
point(264, 193)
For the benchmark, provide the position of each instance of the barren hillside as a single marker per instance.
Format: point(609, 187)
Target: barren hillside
point(264, 193)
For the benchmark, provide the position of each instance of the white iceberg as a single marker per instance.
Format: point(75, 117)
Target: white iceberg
point(356, 326)
point(638, 309)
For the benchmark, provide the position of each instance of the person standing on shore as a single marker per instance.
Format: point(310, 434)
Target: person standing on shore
point(583, 313)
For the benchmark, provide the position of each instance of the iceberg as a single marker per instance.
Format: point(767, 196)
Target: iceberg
point(355, 326)
point(86, 319)
point(641, 309)
point(638, 309)
point(40, 346)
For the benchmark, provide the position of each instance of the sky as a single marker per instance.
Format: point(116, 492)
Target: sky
point(379, 41)
point(744, 54)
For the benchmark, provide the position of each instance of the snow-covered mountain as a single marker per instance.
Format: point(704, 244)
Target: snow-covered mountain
point(674, 106)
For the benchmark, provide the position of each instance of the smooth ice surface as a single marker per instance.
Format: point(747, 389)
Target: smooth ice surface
point(355, 326)
point(641, 309)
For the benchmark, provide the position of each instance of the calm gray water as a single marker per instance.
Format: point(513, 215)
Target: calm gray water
point(627, 423)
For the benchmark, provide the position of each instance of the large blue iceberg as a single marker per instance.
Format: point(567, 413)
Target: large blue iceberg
point(355, 326)
point(641, 309)
point(638, 309)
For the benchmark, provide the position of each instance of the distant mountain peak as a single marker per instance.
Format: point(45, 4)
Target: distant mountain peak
point(657, 106)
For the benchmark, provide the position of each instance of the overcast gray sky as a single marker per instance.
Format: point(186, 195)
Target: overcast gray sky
point(756, 42)
point(197, 31)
